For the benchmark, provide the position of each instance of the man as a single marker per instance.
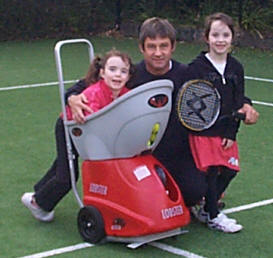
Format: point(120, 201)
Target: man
point(157, 42)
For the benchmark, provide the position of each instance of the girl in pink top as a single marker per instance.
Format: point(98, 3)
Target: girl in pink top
point(107, 78)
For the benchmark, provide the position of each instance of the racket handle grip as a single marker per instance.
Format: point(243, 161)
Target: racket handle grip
point(238, 115)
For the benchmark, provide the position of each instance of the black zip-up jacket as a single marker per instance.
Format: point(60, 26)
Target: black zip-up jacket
point(230, 87)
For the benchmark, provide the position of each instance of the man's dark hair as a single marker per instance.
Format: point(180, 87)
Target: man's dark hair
point(156, 27)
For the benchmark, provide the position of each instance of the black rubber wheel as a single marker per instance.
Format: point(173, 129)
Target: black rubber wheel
point(91, 224)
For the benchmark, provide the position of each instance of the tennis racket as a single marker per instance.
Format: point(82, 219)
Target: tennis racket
point(198, 106)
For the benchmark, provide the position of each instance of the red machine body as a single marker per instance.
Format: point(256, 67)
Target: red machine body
point(131, 196)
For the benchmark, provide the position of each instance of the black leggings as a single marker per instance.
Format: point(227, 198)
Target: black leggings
point(56, 183)
point(217, 180)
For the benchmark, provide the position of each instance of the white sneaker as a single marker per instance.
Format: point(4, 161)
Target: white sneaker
point(230, 219)
point(224, 224)
point(199, 213)
point(37, 212)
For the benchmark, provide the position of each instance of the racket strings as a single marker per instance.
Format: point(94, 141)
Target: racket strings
point(198, 105)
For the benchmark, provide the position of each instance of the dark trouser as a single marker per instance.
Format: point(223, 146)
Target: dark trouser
point(56, 182)
point(190, 180)
point(192, 184)
point(218, 181)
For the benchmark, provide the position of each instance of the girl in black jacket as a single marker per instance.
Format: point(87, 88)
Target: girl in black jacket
point(215, 150)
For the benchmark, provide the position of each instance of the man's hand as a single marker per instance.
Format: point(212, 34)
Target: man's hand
point(78, 103)
point(251, 114)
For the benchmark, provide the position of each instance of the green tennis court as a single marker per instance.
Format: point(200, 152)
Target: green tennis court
point(29, 107)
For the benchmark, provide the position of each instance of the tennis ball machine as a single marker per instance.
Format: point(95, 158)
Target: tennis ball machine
point(128, 195)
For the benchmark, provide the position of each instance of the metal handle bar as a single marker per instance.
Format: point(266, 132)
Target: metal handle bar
point(57, 51)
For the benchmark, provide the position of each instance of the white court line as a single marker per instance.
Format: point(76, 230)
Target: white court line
point(59, 251)
point(262, 103)
point(73, 81)
point(26, 86)
point(248, 206)
point(162, 246)
point(174, 250)
point(258, 79)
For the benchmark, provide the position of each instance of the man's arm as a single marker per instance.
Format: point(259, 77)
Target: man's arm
point(76, 89)
point(77, 101)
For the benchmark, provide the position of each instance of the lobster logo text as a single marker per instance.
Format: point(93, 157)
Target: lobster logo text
point(100, 189)
point(172, 212)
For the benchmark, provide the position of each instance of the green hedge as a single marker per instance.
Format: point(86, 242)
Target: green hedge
point(31, 19)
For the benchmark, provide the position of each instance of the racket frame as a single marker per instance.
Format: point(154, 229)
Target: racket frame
point(180, 97)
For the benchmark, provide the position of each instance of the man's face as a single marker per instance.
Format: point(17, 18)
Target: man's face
point(157, 54)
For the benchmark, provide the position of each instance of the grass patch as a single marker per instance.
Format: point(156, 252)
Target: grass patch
point(28, 148)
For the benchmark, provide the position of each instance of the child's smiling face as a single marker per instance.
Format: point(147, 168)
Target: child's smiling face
point(115, 73)
point(219, 38)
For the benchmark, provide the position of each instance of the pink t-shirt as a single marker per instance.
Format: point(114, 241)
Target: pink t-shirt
point(99, 95)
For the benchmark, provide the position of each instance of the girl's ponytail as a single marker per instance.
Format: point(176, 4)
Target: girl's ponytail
point(93, 74)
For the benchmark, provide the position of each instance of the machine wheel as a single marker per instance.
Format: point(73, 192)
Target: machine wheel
point(91, 224)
